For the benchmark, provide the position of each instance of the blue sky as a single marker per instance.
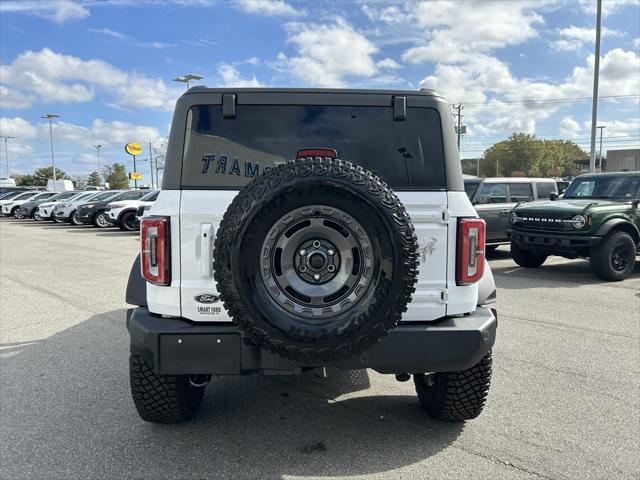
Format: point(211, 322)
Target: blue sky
point(106, 66)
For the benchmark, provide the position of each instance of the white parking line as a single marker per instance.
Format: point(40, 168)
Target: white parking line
point(513, 270)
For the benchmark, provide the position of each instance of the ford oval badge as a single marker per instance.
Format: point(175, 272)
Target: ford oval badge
point(206, 298)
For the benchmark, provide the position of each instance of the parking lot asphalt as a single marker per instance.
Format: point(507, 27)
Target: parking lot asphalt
point(564, 401)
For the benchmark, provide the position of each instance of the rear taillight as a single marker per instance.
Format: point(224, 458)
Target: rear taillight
point(155, 260)
point(471, 243)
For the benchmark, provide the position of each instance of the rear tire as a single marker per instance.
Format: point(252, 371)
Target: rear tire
point(526, 258)
point(162, 398)
point(455, 396)
point(615, 258)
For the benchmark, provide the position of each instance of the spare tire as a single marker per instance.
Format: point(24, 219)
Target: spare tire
point(316, 260)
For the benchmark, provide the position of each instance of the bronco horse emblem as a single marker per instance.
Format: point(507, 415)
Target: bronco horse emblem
point(428, 249)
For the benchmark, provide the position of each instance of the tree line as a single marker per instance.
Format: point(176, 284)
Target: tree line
point(115, 175)
point(526, 155)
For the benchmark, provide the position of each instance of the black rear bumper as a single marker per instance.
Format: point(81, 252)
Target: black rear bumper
point(177, 346)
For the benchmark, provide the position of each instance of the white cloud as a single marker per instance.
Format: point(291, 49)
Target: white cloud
point(17, 127)
point(636, 42)
point(569, 127)
point(328, 54)
point(231, 77)
point(388, 63)
point(104, 133)
point(487, 80)
point(391, 14)
point(59, 11)
point(54, 77)
point(100, 131)
point(608, 6)
point(573, 38)
point(10, 98)
point(271, 8)
point(109, 33)
point(454, 34)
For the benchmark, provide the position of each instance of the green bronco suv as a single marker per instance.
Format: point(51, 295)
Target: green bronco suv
point(598, 217)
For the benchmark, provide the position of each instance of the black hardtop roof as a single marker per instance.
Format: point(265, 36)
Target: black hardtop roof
point(423, 91)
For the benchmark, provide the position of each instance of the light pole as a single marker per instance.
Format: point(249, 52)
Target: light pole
point(50, 117)
point(6, 151)
point(98, 147)
point(602, 127)
point(187, 79)
point(596, 74)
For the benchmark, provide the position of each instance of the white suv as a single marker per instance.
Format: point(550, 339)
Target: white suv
point(123, 212)
point(311, 228)
point(11, 208)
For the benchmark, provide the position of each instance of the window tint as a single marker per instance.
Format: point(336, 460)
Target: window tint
point(493, 193)
point(43, 196)
point(615, 188)
point(103, 196)
point(229, 152)
point(521, 192)
point(471, 188)
point(22, 196)
point(150, 197)
point(131, 195)
point(544, 189)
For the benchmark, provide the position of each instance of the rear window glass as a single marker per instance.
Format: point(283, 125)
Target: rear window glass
point(521, 192)
point(471, 188)
point(493, 193)
point(544, 189)
point(229, 152)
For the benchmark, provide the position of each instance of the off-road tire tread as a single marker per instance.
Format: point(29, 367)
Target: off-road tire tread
point(378, 193)
point(600, 260)
point(456, 396)
point(162, 398)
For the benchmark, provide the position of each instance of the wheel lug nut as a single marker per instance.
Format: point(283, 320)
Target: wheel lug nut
point(316, 244)
point(316, 276)
point(302, 268)
point(331, 251)
point(302, 252)
point(331, 268)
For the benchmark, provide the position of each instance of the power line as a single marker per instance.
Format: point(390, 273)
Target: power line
point(550, 100)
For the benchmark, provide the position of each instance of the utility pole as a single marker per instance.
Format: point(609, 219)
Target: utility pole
point(602, 127)
point(151, 163)
point(98, 147)
point(51, 116)
point(6, 151)
point(596, 74)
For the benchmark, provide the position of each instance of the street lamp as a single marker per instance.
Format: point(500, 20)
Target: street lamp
point(50, 117)
point(6, 151)
point(98, 147)
point(187, 79)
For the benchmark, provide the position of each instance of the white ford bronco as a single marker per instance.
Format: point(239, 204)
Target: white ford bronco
point(299, 229)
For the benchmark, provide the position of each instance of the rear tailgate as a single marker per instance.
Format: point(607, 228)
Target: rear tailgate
point(202, 210)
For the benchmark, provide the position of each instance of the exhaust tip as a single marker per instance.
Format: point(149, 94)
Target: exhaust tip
point(403, 377)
